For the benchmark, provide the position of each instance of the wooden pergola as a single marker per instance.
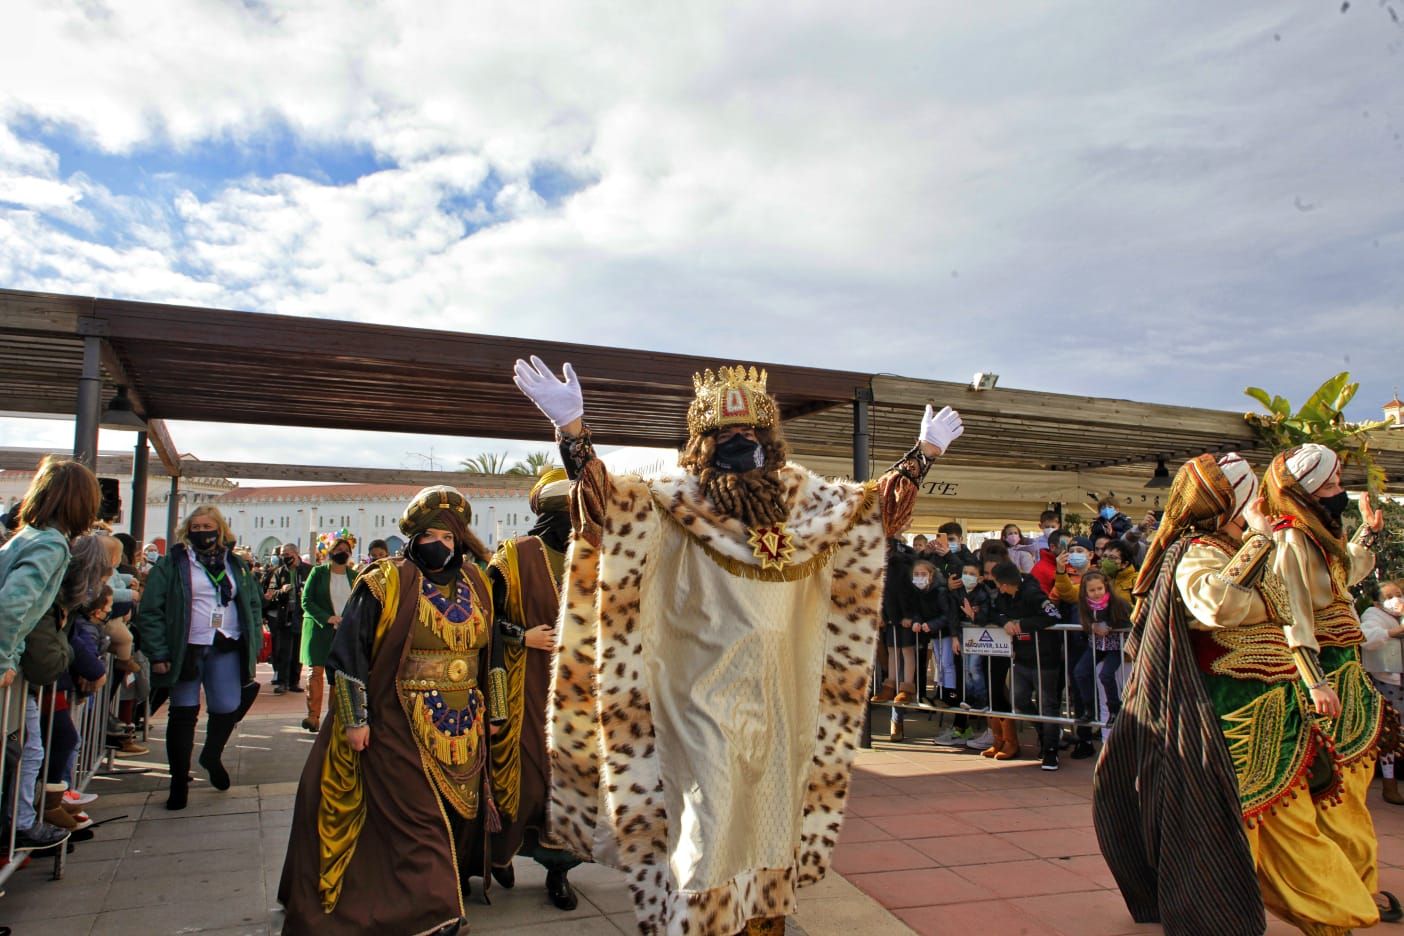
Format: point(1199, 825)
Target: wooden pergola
point(67, 355)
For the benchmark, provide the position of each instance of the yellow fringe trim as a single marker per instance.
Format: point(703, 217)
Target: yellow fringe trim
point(790, 573)
point(460, 637)
point(446, 748)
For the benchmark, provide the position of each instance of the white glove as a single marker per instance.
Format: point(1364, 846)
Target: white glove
point(941, 429)
point(561, 401)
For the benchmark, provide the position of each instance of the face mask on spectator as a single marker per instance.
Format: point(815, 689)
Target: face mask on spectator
point(921, 581)
point(204, 540)
point(1078, 560)
point(288, 560)
point(1394, 605)
point(1049, 531)
point(1108, 513)
point(1012, 539)
point(341, 558)
point(970, 581)
point(1110, 568)
point(953, 542)
point(152, 555)
point(1099, 604)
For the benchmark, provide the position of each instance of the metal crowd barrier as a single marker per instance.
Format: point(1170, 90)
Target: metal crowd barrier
point(94, 755)
point(1081, 663)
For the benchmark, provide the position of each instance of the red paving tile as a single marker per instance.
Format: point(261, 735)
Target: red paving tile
point(1026, 860)
point(918, 888)
point(1057, 843)
point(924, 825)
point(1097, 913)
point(1024, 878)
point(986, 916)
point(856, 829)
point(866, 857)
point(980, 848)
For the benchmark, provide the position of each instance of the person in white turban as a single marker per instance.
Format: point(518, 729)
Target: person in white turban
point(1318, 565)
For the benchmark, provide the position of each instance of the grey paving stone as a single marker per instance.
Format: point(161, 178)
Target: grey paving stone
point(176, 844)
point(140, 867)
point(217, 889)
point(156, 809)
point(194, 826)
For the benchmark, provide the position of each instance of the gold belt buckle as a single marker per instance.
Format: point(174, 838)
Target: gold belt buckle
point(458, 670)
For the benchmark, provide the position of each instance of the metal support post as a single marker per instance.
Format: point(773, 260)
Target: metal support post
point(172, 513)
point(89, 409)
point(862, 456)
point(137, 524)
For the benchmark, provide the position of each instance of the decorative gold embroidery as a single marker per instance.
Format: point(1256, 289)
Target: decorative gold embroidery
point(1257, 651)
point(1255, 742)
point(772, 545)
point(1355, 732)
point(1337, 625)
point(1274, 592)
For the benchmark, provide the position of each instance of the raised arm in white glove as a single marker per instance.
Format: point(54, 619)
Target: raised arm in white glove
point(560, 400)
point(939, 430)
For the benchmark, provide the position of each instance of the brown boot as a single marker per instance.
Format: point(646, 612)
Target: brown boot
point(885, 693)
point(54, 813)
point(997, 731)
point(905, 693)
point(1391, 791)
point(1010, 749)
point(316, 686)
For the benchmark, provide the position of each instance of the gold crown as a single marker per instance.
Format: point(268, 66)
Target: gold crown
point(733, 396)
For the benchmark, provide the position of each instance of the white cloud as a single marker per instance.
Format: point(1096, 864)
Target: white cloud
point(1147, 202)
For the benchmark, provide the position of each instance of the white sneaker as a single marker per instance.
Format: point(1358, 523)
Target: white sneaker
point(982, 742)
point(949, 738)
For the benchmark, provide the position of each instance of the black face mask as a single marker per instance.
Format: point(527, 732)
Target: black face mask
point(288, 560)
point(1336, 504)
point(738, 454)
point(204, 540)
point(434, 554)
point(340, 558)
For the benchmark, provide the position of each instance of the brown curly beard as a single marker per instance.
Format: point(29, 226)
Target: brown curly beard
point(757, 498)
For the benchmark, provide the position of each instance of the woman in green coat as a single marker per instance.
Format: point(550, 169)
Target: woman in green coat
point(201, 626)
point(325, 594)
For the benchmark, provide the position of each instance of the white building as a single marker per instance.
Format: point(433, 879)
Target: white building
point(266, 517)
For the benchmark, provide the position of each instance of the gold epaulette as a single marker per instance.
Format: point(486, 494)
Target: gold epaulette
point(1247, 565)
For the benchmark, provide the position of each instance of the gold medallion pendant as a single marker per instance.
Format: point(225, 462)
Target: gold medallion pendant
point(772, 545)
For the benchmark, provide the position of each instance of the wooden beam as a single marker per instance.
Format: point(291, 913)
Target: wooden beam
point(43, 313)
point(155, 429)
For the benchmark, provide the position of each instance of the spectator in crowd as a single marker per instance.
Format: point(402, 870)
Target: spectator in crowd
point(992, 550)
point(1026, 614)
point(324, 596)
point(1003, 732)
point(1049, 522)
point(62, 502)
point(197, 625)
point(1104, 615)
point(969, 606)
point(898, 641)
point(1045, 571)
point(955, 546)
point(49, 656)
point(1021, 551)
point(1099, 543)
point(1119, 566)
point(127, 565)
point(150, 554)
point(283, 594)
point(924, 613)
point(1383, 658)
point(919, 542)
point(377, 550)
point(1070, 566)
point(1137, 539)
point(1110, 522)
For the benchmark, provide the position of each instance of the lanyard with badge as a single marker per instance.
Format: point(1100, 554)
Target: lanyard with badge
point(217, 615)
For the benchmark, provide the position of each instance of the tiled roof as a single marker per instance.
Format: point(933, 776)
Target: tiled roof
point(354, 492)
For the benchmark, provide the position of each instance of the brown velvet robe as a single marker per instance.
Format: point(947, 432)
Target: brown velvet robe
point(402, 877)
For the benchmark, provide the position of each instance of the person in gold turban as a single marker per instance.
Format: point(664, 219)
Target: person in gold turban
point(526, 585)
point(396, 800)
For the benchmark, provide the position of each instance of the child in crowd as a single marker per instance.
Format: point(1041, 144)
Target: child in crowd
point(1026, 614)
point(1119, 566)
point(1104, 615)
point(1021, 552)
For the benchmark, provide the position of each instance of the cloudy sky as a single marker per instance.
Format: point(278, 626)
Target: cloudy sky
point(1162, 202)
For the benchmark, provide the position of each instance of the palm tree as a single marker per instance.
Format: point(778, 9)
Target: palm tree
point(487, 463)
point(536, 463)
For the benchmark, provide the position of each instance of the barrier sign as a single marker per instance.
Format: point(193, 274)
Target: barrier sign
point(986, 641)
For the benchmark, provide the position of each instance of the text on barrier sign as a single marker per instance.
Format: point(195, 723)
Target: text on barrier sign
point(986, 641)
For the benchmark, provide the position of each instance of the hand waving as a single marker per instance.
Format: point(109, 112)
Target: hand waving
point(560, 400)
point(1374, 519)
point(940, 429)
